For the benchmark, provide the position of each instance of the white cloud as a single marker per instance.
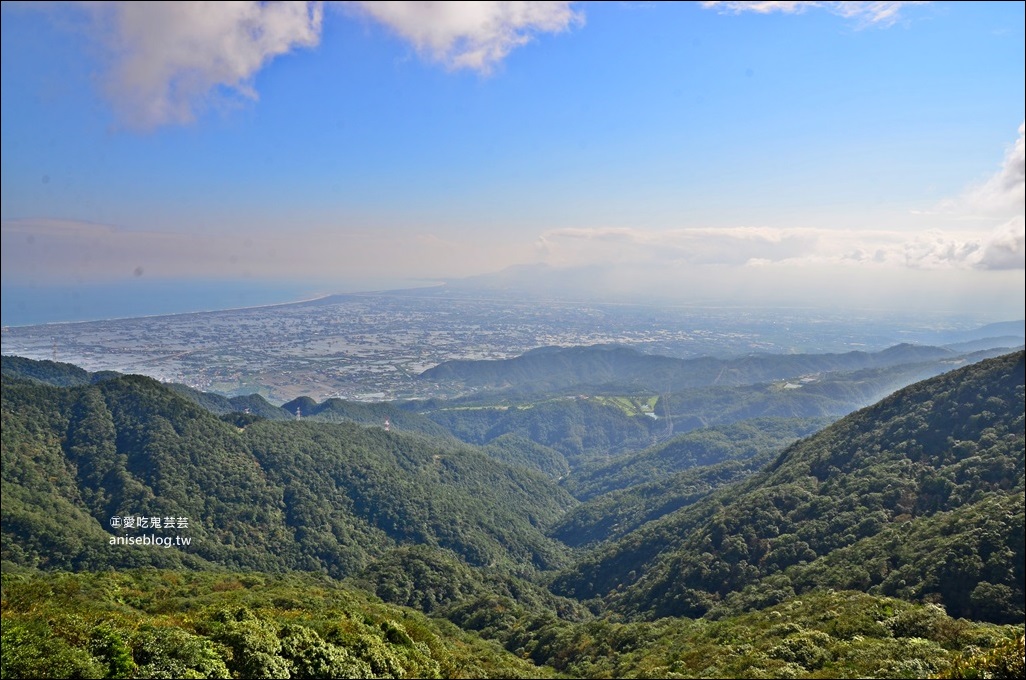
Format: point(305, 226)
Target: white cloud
point(757, 266)
point(761, 7)
point(473, 35)
point(1000, 197)
point(1005, 190)
point(169, 59)
point(728, 246)
point(804, 247)
point(868, 13)
point(883, 269)
point(1006, 247)
point(968, 256)
point(940, 251)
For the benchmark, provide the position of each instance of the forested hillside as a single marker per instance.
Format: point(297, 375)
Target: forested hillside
point(590, 403)
point(582, 430)
point(271, 495)
point(342, 411)
point(936, 467)
point(697, 448)
point(551, 369)
point(732, 550)
point(216, 624)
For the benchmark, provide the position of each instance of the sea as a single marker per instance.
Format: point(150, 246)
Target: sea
point(25, 305)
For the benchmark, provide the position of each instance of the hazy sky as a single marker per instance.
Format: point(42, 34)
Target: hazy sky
point(863, 153)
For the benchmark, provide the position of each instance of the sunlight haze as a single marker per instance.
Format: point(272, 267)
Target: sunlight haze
point(824, 154)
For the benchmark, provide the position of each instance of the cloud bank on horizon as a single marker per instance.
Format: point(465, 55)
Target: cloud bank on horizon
point(1004, 248)
point(167, 68)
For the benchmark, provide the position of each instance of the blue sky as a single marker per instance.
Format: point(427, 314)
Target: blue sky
point(865, 154)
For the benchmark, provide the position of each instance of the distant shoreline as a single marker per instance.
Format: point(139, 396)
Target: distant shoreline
point(99, 296)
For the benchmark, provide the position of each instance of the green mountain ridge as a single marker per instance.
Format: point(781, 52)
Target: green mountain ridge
point(339, 410)
point(271, 496)
point(711, 553)
point(587, 422)
point(553, 368)
point(940, 446)
point(693, 449)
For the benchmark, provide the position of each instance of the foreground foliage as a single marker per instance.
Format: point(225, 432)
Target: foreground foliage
point(169, 624)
